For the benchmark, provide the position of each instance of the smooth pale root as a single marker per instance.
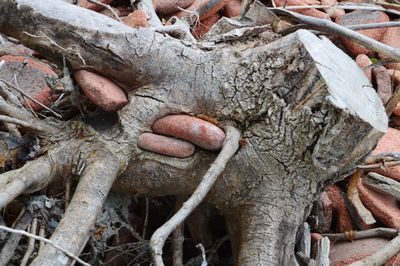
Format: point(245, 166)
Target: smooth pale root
point(202, 133)
point(165, 145)
point(101, 91)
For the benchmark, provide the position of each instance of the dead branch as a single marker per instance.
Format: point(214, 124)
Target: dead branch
point(12, 242)
point(230, 146)
point(376, 232)
point(332, 27)
point(31, 244)
point(382, 184)
point(30, 98)
point(26, 118)
point(25, 124)
point(382, 255)
point(102, 168)
point(21, 232)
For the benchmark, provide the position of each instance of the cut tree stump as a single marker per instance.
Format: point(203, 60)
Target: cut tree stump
point(306, 111)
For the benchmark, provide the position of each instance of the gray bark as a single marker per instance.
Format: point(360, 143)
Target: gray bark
point(307, 114)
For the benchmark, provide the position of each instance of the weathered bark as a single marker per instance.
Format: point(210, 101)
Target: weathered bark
point(306, 112)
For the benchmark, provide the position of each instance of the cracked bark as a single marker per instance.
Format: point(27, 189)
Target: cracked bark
point(307, 114)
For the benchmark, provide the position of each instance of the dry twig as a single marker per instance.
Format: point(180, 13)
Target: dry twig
point(47, 241)
point(31, 244)
point(376, 232)
point(326, 25)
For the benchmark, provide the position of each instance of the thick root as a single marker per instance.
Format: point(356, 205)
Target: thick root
point(102, 168)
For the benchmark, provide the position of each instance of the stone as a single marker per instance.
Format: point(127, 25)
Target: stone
point(168, 7)
point(395, 76)
point(94, 7)
point(206, 8)
point(32, 77)
point(336, 12)
point(383, 83)
point(392, 38)
point(396, 110)
point(363, 17)
point(308, 11)
point(345, 252)
point(340, 211)
point(166, 145)
point(136, 19)
point(363, 61)
point(101, 91)
point(232, 8)
point(382, 206)
point(198, 131)
point(390, 142)
point(315, 237)
point(205, 25)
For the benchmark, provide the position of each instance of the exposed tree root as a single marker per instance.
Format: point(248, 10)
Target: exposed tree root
point(13, 240)
point(230, 146)
point(101, 169)
point(31, 177)
point(288, 96)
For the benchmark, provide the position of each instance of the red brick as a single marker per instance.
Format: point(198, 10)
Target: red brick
point(198, 131)
point(345, 252)
point(308, 11)
point(392, 38)
point(390, 142)
point(363, 61)
point(363, 17)
point(337, 12)
point(205, 25)
point(31, 76)
point(94, 7)
point(383, 83)
point(165, 145)
point(168, 7)
point(136, 19)
point(382, 206)
point(101, 91)
point(232, 8)
point(340, 211)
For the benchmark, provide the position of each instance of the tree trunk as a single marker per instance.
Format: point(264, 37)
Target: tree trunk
point(307, 115)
